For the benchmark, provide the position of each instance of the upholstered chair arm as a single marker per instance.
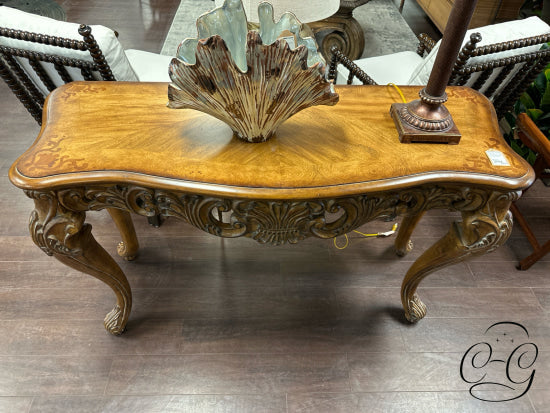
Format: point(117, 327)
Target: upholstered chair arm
point(149, 67)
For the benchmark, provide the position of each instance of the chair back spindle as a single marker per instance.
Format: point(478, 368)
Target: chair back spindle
point(500, 71)
point(31, 75)
point(32, 106)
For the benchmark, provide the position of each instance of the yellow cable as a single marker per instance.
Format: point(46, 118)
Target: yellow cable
point(378, 234)
point(345, 245)
point(366, 235)
point(398, 91)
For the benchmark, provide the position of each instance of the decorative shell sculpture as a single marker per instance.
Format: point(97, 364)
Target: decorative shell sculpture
point(251, 80)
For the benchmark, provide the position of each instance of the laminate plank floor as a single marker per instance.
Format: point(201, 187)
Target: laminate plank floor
point(233, 326)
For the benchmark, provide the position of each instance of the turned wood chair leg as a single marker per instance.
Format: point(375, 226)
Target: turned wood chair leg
point(527, 262)
point(538, 250)
point(530, 134)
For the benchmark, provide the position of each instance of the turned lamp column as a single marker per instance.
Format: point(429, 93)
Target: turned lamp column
point(427, 119)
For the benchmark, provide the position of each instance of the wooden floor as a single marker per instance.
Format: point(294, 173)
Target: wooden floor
point(233, 326)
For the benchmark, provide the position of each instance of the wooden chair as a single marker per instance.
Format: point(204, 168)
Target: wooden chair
point(38, 54)
point(532, 137)
point(501, 70)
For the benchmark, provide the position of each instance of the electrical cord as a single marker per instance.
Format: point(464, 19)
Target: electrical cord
point(377, 235)
point(394, 227)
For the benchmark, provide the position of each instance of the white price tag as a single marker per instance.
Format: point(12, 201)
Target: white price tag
point(497, 158)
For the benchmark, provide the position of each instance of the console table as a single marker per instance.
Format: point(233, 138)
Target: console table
point(328, 170)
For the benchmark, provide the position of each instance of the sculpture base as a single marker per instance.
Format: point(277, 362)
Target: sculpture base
point(410, 134)
point(342, 31)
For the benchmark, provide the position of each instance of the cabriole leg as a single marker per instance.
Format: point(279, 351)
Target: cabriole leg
point(129, 246)
point(481, 231)
point(63, 234)
point(403, 243)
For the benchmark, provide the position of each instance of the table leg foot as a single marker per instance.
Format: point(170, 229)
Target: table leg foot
point(402, 251)
point(403, 244)
point(415, 309)
point(129, 246)
point(115, 321)
point(479, 232)
point(63, 234)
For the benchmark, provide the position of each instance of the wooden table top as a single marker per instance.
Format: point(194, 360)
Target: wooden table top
point(122, 132)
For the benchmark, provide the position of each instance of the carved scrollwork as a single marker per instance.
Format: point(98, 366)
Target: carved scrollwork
point(276, 221)
point(457, 198)
point(490, 240)
point(59, 230)
point(57, 226)
point(199, 211)
point(114, 321)
point(53, 228)
point(486, 224)
point(490, 226)
point(416, 309)
point(133, 198)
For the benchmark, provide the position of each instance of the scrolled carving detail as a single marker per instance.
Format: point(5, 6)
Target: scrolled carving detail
point(486, 224)
point(415, 310)
point(60, 231)
point(133, 198)
point(200, 212)
point(490, 227)
point(278, 222)
point(275, 221)
point(53, 228)
point(114, 321)
point(436, 197)
point(57, 226)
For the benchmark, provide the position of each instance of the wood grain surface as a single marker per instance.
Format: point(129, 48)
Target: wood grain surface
point(357, 289)
point(123, 132)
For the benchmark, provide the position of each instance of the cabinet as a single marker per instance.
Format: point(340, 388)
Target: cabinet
point(486, 11)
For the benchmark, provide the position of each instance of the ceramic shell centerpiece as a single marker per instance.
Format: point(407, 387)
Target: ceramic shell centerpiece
point(253, 80)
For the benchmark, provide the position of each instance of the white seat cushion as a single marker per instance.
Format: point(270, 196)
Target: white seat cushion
point(105, 37)
point(149, 67)
point(393, 68)
point(495, 33)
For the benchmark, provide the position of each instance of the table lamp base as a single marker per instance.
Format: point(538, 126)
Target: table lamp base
point(411, 134)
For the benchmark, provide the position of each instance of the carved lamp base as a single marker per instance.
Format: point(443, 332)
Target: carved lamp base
point(425, 120)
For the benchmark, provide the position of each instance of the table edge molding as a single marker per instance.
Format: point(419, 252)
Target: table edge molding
point(297, 193)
